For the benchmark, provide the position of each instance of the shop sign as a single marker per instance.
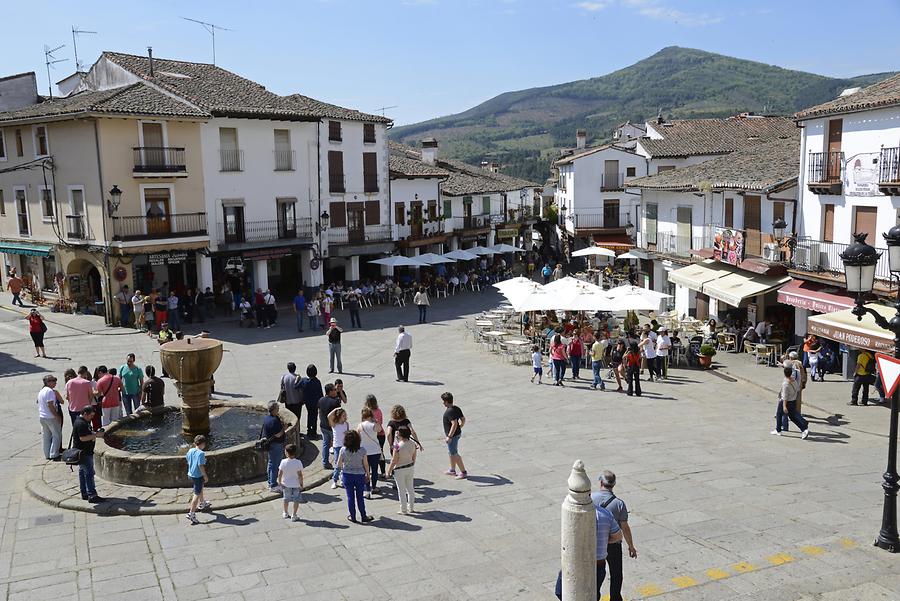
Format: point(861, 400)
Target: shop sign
point(507, 233)
point(809, 303)
point(728, 245)
point(169, 258)
point(862, 175)
point(267, 254)
point(850, 337)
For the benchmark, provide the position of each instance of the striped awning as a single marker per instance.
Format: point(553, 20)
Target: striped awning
point(31, 250)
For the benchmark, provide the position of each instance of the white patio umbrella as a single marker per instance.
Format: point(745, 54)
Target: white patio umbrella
point(631, 302)
point(628, 255)
point(434, 259)
point(563, 294)
point(506, 248)
point(515, 282)
point(481, 251)
point(399, 261)
point(516, 289)
point(627, 289)
point(460, 255)
point(590, 251)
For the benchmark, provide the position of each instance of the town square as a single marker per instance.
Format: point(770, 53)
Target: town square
point(283, 331)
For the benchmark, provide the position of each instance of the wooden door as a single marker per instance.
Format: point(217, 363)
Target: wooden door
point(156, 202)
point(752, 244)
point(683, 233)
point(416, 219)
point(865, 222)
point(467, 214)
point(234, 224)
point(610, 175)
point(356, 224)
point(153, 153)
point(828, 223)
point(832, 159)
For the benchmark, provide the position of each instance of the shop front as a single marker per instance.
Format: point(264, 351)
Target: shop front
point(277, 269)
point(810, 299)
point(36, 264)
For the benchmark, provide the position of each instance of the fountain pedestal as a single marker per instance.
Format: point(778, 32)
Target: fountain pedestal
point(192, 362)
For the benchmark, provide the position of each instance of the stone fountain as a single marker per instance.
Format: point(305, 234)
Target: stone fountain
point(192, 362)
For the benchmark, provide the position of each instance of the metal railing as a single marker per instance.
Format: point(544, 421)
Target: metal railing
point(336, 183)
point(249, 232)
point(757, 243)
point(471, 223)
point(825, 167)
point(596, 221)
point(158, 159)
point(76, 227)
point(679, 246)
point(425, 229)
point(816, 256)
point(231, 159)
point(889, 165)
point(370, 233)
point(142, 227)
point(612, 181)
point(284, 160)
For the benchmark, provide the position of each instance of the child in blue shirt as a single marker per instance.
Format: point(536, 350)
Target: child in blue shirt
point(196, 461)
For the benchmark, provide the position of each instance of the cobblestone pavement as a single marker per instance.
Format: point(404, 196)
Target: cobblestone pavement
point(720, 509)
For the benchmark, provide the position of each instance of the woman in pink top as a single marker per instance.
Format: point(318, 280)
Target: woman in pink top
point(109, 391)
point(559, 357)
point(79, 392)
point(372, 403)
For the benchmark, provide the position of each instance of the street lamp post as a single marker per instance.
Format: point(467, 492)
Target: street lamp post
point(860, 260)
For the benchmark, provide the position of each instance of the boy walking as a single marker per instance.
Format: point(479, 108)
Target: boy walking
point(290, 478)
point(537, 361)
point(787, 406)
point(454, 420)
point(196, 460)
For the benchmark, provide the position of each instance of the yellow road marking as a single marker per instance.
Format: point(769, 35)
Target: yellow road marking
point(684, 581)
point(604, 598)
point(813, 550)
point(716, 574)
point(779, 558)
point(649, 589)
point(847, 543)
point(743, 567)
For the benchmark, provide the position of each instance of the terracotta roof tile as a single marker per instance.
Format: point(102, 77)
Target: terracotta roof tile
point(690, 137)
point(882, 94)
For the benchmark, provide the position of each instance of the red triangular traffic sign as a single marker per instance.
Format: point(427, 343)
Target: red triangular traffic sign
point(889, 370)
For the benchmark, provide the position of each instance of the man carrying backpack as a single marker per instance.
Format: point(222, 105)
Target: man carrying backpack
point(606, 499)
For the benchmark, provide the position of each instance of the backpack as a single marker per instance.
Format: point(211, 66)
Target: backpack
point(546, 271)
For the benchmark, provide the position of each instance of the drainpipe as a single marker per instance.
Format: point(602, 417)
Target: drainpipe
point(107, 301)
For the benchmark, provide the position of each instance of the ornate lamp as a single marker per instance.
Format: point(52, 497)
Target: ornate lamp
point(892, 238)
point(114, 200)
point(778, 228)
point(859, 265)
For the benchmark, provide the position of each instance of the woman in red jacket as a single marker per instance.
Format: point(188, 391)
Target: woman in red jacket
point(37, 328)
point(631, 362)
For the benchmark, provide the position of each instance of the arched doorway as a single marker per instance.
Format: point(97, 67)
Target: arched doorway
point(84, 284)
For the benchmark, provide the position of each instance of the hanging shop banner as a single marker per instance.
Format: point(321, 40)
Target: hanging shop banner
point(508, 233)
point(728, 245)
point(862, 175)
point(267, 254)
point(170, 258)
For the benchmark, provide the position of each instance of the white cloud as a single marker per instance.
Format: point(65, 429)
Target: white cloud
point(655, 9)
point(592, 6)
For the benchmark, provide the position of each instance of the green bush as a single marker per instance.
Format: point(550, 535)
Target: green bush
point(707, 350)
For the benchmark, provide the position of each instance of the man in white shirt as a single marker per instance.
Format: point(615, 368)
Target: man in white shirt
point(402, 350)
point(663, 344)
point(763, 330)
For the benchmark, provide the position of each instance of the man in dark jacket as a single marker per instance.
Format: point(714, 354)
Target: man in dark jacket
point(312, 392)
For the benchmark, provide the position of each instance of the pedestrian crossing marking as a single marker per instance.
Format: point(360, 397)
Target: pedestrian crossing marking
point(716, 574)
point(743, 567)
point(779, 558)
point(649, 589)
point(684, 581)
point(812, 550)
point(847, 543)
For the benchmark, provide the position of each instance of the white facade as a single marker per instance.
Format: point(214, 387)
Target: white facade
point(406, 191)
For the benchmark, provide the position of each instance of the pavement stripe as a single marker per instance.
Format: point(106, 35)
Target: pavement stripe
point(813, 550)
point(648, 590)
point(716, 574)
point(743, 567)
point(684, 581)
point(779, 558)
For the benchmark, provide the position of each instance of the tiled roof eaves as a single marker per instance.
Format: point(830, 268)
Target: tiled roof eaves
point(882, 94)
point(574, 157)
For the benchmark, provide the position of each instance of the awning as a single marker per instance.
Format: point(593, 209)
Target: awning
point(736, 287)
point(32, 250)
point(614, 241)
point(844, 327)
point(813, 296)
point(696, 275)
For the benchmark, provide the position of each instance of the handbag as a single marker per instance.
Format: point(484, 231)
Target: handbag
point(43, 327)
point(262, 444)
point(72, 456)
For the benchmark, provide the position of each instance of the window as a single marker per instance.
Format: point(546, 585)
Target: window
point(234, 222)
point(48, 206)
point(650, 216)
point(287, 217)
point(864, 222)
point(664, 168)
point(334, 131)
point(370, 172)
point(284, 157)
point(777, 210)
point(21, 201)
point(828, 223)
point(369, 133)
point(448, 209)
point(2, 203)
point(432, 209)
point(486, 205)
point(611, 213)
point(2, 146)
point(338, 212)
point(20, 148)
point(630, 172)
point(41, 144)
point(729, 212)
point(373, 212)
point(610, 175)
point(229, 152)
point(400, 213)
point(336, 172)
point(562, 181)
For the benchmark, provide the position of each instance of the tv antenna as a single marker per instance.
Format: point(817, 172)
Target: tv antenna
point(385, 108)
point(49, 60)
point(211, 29)
point(77, 32)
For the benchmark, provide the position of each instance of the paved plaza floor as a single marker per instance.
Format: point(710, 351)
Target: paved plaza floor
point(720, 509)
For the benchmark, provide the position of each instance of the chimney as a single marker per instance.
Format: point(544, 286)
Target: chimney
point(580, 139)
point(17, 91)
point(429, 150)
point(150, 54)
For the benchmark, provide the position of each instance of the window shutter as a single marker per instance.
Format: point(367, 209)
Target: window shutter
point(729, 212)
point(651, 224)
point(448, 209)
point(777, 210)
point(486, 205)
point(338, 214)
point(369, 133)
point(370, 172)
point(373, 212)
point(336, 171)
point(828, 224)
point(432, 209)
point(334, 131)
point(400, 213)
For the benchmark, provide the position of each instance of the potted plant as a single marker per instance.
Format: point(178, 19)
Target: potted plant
point(707, 352)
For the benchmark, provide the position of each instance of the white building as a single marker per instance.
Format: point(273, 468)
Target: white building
point(419, 224)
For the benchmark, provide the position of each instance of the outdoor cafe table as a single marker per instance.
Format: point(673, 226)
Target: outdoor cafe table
point(484, 323)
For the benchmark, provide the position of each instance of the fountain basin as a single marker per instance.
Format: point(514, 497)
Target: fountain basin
point(157, 458)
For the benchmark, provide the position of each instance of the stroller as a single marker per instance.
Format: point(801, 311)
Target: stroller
point(693, 350)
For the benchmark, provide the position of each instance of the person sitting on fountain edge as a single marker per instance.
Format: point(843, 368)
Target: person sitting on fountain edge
point(153, 390)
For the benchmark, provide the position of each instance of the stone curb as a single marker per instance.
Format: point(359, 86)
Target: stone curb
point(40, 490)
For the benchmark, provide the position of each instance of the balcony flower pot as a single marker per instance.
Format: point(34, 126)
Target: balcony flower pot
point(707, 352)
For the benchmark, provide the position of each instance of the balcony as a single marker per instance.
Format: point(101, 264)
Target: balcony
point(176, 225)
point(825, 172)
point(889, 171)
point(259, 233)
point(370, 233)
point(158, 159)
point(475, 223)
point(429, 231)
point(676, 246)
point(231, 159)
point(816, 256)
point(77, 227)
point(284, 160)
point(610, 182)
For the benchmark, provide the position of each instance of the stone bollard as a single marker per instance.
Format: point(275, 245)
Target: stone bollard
point(579, 539)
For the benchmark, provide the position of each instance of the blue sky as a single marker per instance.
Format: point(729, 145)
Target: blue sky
point(435, 57)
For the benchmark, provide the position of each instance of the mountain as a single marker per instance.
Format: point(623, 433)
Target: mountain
point(525, 130)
